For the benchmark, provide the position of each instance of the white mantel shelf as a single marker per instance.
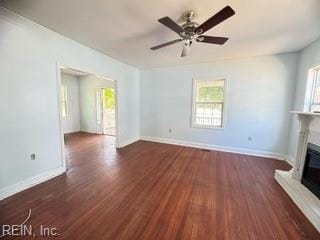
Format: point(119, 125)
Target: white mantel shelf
point(290, 181)
point(305, 113)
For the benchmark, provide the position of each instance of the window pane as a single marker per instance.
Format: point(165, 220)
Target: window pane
point(109, 98)
point(316, 98)
point(315, 108)
point(209, 114)
point(315, 101)
point(208, 103)
point(210, 91)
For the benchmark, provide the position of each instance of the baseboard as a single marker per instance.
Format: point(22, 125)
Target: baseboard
point(74, 131)
point(30, 182)
point(88, 131)
point(220, 148)
point(128, 142)
point(290, 160)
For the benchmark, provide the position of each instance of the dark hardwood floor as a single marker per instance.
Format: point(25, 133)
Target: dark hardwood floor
point(158, 191)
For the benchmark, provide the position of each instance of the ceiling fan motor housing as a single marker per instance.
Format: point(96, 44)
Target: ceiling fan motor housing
point(189, 29)
point(190, 26)
point(188, 16)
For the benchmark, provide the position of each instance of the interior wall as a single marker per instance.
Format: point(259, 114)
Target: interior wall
point(88, 85)
point(71, 123)
point(259, 96)
point(29, 99)
point(309, 57)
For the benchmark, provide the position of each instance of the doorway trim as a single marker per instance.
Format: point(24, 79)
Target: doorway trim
point(59, 83)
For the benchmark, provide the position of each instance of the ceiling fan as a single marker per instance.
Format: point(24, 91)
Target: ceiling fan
point(191, 30)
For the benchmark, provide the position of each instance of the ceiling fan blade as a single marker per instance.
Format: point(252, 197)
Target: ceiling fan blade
point(185, 50)
point(213, 40)
point(168, 22)
point(219, 17)
point(166, 44)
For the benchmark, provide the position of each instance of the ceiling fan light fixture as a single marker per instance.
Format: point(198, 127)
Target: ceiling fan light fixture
point(191, 30)
point(186, 48)
point(188, 42)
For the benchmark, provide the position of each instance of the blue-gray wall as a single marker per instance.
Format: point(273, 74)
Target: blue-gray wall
point(29, 121)
point(259, 96)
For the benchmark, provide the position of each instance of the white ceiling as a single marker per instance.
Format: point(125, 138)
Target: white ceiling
point(125, 30)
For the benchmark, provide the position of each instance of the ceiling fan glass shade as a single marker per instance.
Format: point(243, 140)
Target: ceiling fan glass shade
point(168, 22)
point(219, 17)
point(185, 49)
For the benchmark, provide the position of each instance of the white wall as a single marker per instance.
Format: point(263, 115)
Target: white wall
point(309, 57)
point(259, 96)
point(88, 85)
point(71, 123)
point(29, 95)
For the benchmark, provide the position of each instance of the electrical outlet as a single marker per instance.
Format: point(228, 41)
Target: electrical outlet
point(33, 156)
point(170, 131)
point(250, 139)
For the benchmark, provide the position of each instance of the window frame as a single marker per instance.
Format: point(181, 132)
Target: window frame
point(315, 76)
point(193, 104)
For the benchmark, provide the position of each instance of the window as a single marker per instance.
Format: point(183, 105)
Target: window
point(64, 97)
point(315, 94)
point(208, 103)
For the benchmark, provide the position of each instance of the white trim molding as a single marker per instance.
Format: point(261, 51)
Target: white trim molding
point(30, 182)
point(290, 160)
point(128, 142)
point(220, 148)
point(87, 130)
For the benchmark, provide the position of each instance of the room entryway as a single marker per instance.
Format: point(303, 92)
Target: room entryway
point(87, 105)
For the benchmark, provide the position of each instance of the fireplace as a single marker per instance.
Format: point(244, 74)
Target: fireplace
point(311, 170)
point(302, 182)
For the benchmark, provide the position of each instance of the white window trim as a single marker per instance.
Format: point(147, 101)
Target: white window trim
point(309, 94)
point(316, 72)
point(224, 111)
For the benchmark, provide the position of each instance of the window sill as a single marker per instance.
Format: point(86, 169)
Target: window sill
point(207, 127)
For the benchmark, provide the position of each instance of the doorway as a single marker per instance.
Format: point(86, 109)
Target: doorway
point(88, 107)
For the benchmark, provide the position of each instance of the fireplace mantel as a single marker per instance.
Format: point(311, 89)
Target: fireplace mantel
point(309, 124)
point(312, 114)
point(309, 131)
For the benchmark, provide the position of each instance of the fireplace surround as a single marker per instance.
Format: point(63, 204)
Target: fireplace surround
point(311, 169)
point(298, 183)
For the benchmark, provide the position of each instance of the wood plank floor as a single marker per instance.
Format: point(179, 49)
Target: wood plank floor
point(158, 191)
